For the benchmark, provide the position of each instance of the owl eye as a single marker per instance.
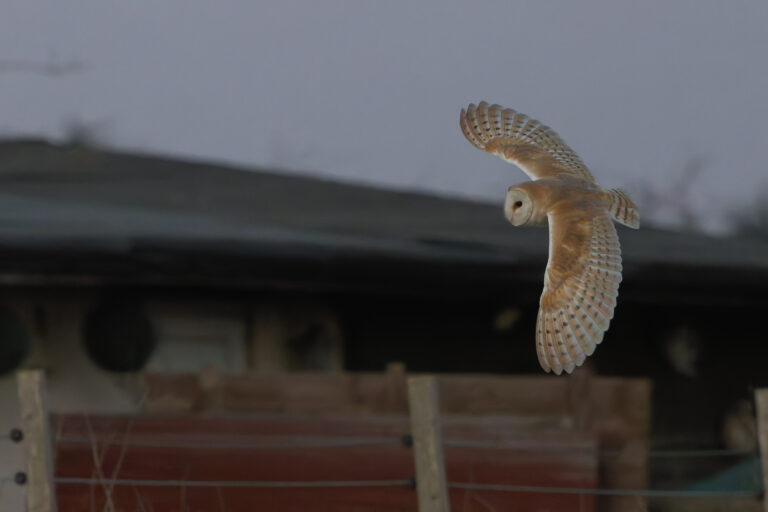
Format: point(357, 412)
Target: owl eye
point(518, 204)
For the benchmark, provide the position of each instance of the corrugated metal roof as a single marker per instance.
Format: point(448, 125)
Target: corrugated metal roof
point(54, 199)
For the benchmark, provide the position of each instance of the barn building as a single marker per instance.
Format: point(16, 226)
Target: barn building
point(114, 265)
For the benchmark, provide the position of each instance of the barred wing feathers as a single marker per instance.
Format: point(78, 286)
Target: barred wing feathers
point(581, 285)
point(520, 140)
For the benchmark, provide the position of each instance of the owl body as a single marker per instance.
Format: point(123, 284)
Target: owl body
point(583, 272)
point(561, 195)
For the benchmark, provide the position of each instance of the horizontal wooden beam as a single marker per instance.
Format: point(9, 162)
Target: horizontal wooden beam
point(547, 398)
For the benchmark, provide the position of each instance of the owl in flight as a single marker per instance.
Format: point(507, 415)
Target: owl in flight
point(583, 273)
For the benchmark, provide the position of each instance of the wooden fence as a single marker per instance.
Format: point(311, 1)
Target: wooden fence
point(348, 439)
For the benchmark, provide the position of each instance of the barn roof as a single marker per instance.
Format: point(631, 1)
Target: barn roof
point(79, 211)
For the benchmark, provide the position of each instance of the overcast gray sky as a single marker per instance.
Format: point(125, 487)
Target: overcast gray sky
point(371, 91)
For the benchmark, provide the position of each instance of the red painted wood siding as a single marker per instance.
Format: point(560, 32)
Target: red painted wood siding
point(268, 448)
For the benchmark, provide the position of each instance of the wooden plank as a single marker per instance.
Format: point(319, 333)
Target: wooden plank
point(761, 402)
point(431, 486)
point(596, 409)
point(37, 441)
point(611, 399)
point(614, 411)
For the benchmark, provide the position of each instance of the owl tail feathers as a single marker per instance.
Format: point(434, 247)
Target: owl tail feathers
point(622, 209)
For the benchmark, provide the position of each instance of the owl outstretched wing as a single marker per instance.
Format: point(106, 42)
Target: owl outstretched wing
point(581, 285)
point(520, 140)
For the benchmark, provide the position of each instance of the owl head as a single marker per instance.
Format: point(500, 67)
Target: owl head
point(518, 207)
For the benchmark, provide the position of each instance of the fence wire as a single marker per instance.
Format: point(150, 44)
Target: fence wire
point(658, 453)
point(643, 493)
point(235, 483)
point(341, 442)
point(654, 453)
point(410, 484)
point(272, 444)
point(295, 442)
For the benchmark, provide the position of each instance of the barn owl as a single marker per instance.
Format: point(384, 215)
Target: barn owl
point(581, 281)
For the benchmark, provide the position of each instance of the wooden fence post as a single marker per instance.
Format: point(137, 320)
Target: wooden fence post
point(424, 407)
point(37, 441)
point(761, 403)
